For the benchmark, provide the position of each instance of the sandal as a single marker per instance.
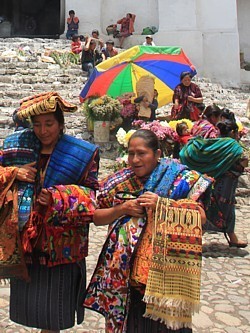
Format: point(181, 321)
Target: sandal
point(235, 244)
point(238, 245)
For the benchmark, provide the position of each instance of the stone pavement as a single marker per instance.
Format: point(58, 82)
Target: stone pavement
point(225, 292)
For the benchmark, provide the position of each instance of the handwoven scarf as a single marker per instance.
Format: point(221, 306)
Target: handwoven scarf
point(68, 161)
point(211, 156)
point(173, 286)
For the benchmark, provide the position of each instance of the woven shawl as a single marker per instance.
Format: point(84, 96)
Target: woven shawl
point(173, 287)
point(211, 156)
point(68, 161)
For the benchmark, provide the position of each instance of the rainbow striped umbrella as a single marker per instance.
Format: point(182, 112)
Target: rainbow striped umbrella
point(119, 74)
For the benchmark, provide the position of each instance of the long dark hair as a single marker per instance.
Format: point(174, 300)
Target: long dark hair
point(212, 110)
point(149, 137)
point(226, 127)
point(227, 114)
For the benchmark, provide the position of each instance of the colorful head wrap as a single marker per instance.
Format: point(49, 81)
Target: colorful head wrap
point(43, 103)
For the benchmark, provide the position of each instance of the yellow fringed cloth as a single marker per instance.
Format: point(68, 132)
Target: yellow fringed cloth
point(43, 103)
point(173, 287)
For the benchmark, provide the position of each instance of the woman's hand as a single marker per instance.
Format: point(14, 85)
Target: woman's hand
point(195, 99)
point(27, 173)
point(176, 104)
point(191, 99)
point(148, 200)
point(44, 198)
point(132, 208)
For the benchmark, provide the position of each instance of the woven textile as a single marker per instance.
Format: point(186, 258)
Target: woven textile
point(221, 153)
point(173, 286)
point(43, 103)
point(20, 148)
point(11, 258)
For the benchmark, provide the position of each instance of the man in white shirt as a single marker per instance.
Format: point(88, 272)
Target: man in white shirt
point(149, 41)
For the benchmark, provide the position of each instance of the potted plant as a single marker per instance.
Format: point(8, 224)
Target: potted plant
point(101, 110)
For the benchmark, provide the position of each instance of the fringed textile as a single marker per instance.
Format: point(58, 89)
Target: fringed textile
point(43, 103)
point(173, 286)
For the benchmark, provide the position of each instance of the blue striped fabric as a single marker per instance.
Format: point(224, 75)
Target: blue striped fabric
point(68, 161)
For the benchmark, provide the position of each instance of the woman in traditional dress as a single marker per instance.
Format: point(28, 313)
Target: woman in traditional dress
point(223, 159)
point(206, 126)
point(48, 182)
point(127, 268)
point(127, 27)
point(187, 99)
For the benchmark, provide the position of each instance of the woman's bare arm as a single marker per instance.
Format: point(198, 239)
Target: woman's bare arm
point(104, 216)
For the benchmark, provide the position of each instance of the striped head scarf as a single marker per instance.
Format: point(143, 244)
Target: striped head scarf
point(43, 103)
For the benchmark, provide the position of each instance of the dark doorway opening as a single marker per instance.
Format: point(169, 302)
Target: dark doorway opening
point(32, 18)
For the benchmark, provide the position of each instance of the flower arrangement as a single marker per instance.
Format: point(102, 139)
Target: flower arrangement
point(101, 108)
point(123, 139)
point(128, 109)
point(161, 128)
point(166, 135)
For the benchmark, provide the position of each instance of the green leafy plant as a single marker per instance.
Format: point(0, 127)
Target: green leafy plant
point(65, 59)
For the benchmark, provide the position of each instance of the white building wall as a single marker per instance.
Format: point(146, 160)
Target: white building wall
point(207, 30)
point(244, 27)
point(221, 54)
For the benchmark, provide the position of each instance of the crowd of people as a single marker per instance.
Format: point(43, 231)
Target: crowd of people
point(147, 278)
point(92, 48)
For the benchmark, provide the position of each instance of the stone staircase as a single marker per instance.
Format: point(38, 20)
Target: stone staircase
point(22, 76)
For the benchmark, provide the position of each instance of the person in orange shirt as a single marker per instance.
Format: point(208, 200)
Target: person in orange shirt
point(127, 27)
point(73, 25)
point(76, 45)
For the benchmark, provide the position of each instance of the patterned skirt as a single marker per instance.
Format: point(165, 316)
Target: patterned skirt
point(221, 212)
point(138, 324)
point(52, 297)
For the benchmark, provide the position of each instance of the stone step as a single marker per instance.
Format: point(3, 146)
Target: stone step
point(7, 81)
point(25, 69)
